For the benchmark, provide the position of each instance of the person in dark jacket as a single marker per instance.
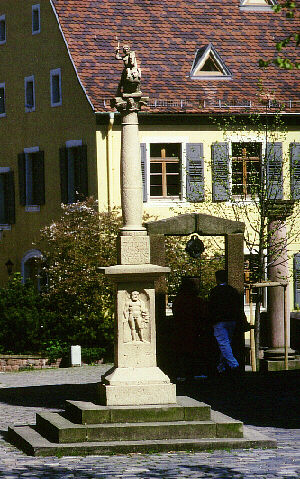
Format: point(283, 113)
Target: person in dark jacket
point(225, 311)
point(189, 313)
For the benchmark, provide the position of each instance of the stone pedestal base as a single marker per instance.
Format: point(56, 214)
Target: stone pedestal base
point(143, 394)
point(267, 365)
point(136, 386)
point(278, 354)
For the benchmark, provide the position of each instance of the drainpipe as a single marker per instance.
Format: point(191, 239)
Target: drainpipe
point(109, 145)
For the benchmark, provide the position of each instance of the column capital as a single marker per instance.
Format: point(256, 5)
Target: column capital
point(128, 103)
point(279, 209)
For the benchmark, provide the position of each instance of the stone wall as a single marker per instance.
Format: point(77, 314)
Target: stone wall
point(23, 362)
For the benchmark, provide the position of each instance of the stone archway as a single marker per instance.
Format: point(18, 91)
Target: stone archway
point(204, 225)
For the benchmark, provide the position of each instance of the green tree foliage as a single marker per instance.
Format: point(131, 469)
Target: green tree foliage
point(22, 312)
point(291, 10)
point(81, 298)
point(182, 264)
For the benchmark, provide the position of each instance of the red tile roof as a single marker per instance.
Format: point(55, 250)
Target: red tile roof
point(165, 36)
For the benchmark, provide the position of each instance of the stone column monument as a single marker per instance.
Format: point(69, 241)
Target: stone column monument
point(135, 378)
point(278, 270)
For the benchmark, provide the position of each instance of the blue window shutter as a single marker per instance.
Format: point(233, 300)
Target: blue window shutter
point(274, 171)
point(38, 179)
point(9, 192)
point(220, 171)
point(144, 170)
point(194, 172)
point(295, 170)
point(63, 169)
point(22, 178)
point(297, 278)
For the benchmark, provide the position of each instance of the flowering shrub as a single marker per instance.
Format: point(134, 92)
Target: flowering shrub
point(82, 298)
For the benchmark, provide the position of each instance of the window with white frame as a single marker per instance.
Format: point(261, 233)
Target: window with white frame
point(173, 171)
point(238, 169)
point(2, 29)
point(31, 269)
point(29, 94)
point(55, 87)
point(165, 174)
point(246, 169)
point(2, 99)
point(73, 172)
point(36, 19)
point(31, 178)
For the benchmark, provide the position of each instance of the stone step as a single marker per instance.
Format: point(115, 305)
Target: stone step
point(186, 409)
point(31, 442)
point(59, 429)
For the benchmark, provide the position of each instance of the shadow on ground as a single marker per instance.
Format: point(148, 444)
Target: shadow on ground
point(269, 399)
point(48, 396)
point(259, 399)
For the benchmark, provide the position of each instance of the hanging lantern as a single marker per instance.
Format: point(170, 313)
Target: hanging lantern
point(195, 246)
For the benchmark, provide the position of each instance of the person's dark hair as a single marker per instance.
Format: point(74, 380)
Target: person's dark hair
point(221, 276)
point(189, 284)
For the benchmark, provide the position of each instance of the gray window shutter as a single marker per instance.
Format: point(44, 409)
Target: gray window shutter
point(63, 168)
point(144, 170)
point(22, 178)
point(194, 172)
point(82, 174)
point(295, 170)
point(9, 192)
point(220, 171)
point(274, 171)
point(38, 178)
point(297, 278)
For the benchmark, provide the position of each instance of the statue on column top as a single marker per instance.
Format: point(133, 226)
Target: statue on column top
point(131, 76)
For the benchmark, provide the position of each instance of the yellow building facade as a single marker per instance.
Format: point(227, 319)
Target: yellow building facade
point(61, 140)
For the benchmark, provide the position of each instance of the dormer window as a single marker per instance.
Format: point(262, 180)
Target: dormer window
point(209, 65)
point(257, 5)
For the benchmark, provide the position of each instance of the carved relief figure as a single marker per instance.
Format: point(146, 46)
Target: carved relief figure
point(131, 75)
point(136, 315)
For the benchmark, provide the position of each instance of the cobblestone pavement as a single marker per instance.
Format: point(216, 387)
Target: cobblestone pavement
point(268, 404)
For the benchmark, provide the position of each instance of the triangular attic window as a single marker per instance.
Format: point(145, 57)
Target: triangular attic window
point(208, 63)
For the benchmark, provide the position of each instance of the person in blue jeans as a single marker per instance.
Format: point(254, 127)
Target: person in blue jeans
point(225, 311)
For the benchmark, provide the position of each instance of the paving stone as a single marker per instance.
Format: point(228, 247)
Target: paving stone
point(24, 393)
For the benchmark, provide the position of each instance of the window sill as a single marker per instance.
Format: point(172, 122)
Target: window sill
point(165, 201)
point(256, 8)
point(238, 199)
point(54, 105)
point(5, 227)
point(211, 77)
point(32, 208)
point(29, 110)
point(2, 115)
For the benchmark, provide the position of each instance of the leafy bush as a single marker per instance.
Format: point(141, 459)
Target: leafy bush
point(22, 312)
point(80, 297)
point(92, 355)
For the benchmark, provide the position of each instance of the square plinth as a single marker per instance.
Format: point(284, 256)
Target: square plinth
point(141, 394)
